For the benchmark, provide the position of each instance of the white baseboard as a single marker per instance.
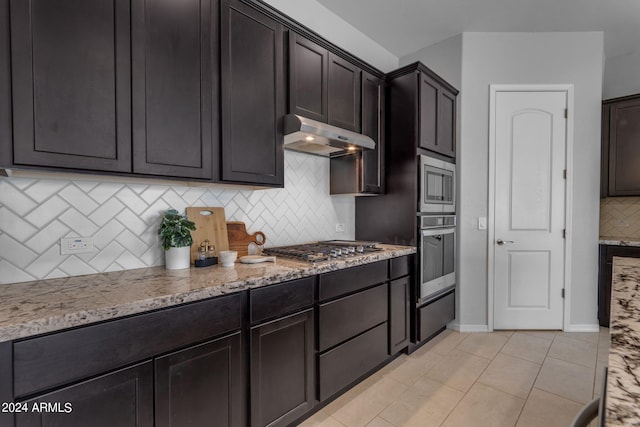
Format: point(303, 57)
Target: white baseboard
point(583, 328)
point(468, 328)
point(485, 328)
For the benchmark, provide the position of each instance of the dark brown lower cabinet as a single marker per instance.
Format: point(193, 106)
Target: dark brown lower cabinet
point(399, 329)
point(605, 276)
point(121, 398)
point(282, 370)
point(347, 362)
point(299, 343)
point(201, 385)
point(435, 315)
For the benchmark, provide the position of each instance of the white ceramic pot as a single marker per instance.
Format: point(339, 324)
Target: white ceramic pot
point(178, 258)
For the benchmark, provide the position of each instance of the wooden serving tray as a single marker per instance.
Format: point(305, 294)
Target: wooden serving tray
point(211, 225)
point(239, 239)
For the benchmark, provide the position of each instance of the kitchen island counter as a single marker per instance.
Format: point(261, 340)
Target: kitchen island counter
point(33, 308)
point(623, 383)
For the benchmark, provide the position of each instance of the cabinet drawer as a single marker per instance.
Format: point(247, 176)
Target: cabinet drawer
point(436, 315)
point(53, 360)
point(622, 251)
point(348, 362)
point(351, 279)
point(279, 300)
point(344, 318)
point(398, 267)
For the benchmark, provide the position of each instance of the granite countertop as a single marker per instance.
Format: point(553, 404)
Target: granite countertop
point(623, 383)
point(618, 241)
point(33, 308)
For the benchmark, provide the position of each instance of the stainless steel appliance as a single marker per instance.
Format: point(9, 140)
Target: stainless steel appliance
point(324, 251)
point(437, 237)
point(313, 137)
point(437, 186)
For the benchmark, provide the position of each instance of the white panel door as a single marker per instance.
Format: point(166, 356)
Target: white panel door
point(530, 145)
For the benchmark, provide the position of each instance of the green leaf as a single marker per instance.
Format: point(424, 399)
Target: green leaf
point(174, 230)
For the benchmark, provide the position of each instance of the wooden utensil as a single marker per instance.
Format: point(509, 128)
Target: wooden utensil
point(211, 225)
point(239, 239)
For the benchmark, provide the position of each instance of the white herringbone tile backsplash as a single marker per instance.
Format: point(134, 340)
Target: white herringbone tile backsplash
point(123, 218)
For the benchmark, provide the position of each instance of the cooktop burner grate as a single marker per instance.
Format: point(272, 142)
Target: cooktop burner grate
point(324, 251)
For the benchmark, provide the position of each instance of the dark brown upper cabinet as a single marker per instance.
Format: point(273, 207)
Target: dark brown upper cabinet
point(174, 76)
point(322, 85)
point(71, 84)
point(253, 96)
point(308, 78)
point(447, 123)
point(437, 105)
point(373, 126)
point(344, 94)
point(621, 147)
point(5, 86)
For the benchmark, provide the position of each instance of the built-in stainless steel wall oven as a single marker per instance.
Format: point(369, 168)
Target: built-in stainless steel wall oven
point(435, 293)
point(437, 240)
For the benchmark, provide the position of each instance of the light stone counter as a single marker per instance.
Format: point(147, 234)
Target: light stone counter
point(623, 383)
point(33, 308)
point(618, 241)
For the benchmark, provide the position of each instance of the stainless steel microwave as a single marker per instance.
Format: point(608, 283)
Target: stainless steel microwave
point(437, 186)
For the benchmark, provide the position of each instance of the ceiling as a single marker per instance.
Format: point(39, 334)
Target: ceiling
point(405, 26)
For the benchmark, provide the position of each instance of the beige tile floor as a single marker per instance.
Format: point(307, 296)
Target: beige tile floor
point(522, 379)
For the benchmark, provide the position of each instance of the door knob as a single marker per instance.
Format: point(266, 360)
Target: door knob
point(502, 242)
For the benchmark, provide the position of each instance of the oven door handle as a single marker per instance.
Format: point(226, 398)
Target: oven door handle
point(437, 231)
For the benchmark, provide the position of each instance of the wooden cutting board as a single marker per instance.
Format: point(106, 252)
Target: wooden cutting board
point(239, 239)
point(211, 225)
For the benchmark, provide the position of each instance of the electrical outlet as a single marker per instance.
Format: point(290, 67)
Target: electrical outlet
point(339, 227)
point(76, 245)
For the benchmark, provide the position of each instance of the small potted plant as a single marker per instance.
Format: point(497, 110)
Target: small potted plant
point(175, 234)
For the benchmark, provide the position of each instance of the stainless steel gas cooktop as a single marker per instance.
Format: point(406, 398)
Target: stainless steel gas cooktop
point(324, 251)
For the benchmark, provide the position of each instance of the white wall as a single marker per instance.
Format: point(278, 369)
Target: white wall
point(335, 29)
point(621, 76)
point(523, 58)
point(445, 58)
point(526, 58)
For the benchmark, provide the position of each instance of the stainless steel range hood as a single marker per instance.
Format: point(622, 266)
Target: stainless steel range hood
point(313, 137)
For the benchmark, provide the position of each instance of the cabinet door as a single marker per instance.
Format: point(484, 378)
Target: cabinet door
point(282, 370)
point(373, 127)
point(428, 98)
point(398, 314)
point(344, 94)
point(253, 96)
point(71, 73)
point(447, 123)
point(173, 78)
point(308, 78)
point(6, 135)
point(200, 384)
point(121, 398)
point(624, 149)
